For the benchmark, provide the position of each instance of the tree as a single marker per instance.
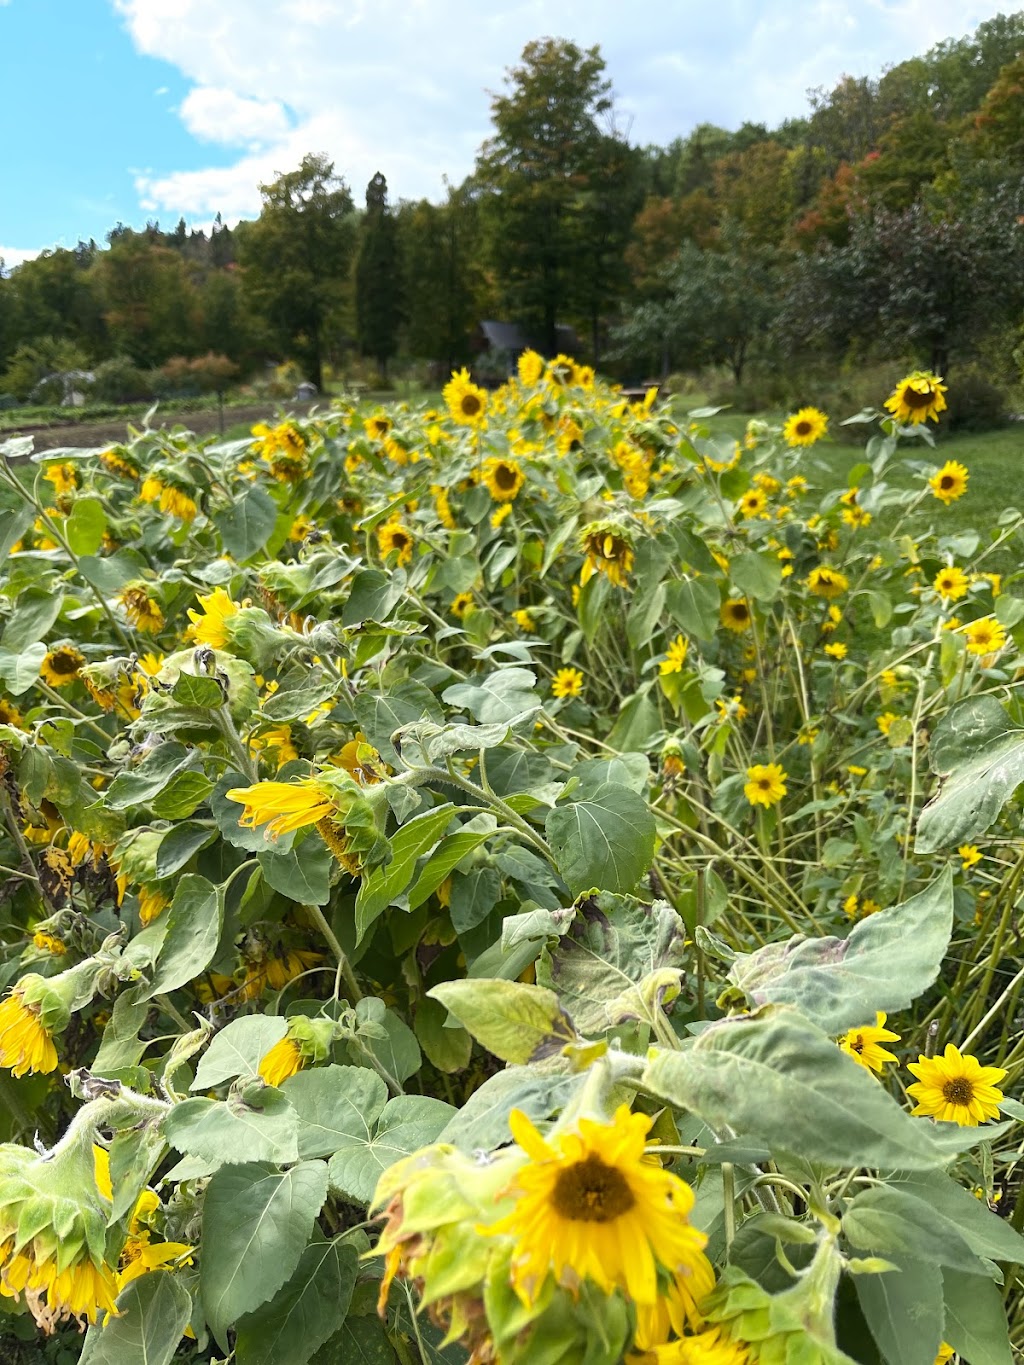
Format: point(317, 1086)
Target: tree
point(550, 181)
point(378, 280)
point(296, 259)
point(440, 252)
point(151, 309)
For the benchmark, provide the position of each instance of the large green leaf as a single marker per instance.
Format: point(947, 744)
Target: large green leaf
point(616, 957)
point(986, 1233)
point(85, 526)
point(34, 614)
point(260, 1125)
point(407, 1123)
point(517, 1022)
point(975, 1319)
point(884, 963)
point(257, 1221)
point(384, 884)
point(978, 754)
point(304, 1314)
point(756, 575)
point(373, 596)
point(335, 1104)
point(20, 670)
point(154, 1312)
point(238, 1049)
point(380, 715)
point(890, 1222)
point(482, 1122)
point(246, 525)
point(695, 603)
point(903, 1308)
point(773, 1077)
point(138, 786)
point(193, 931)
point(500, 697)
point(302, 873)
point(605, 841)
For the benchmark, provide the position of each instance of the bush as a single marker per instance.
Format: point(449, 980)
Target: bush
point(119, 380)
point(975, 403)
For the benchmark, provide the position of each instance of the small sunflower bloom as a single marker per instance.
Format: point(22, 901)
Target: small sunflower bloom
point(142, 610)
point(970, 855)
point(736, 615)
point(886, 721)
point(283, 806)
point(864, 1044)
point(984, 637)
point(951, 583)
point(395, 538)
point(837, 650)
point(61, 666)
point(523, 619)
point(956, 1088)
point(675, 656)
point(283, 1060)
point(950, 482)
point(805, 427)
point(590, 1204)
point(752, 503)
point(503, 479)
point(209, 626)
point(917, 397)
point(765, 784)
point(467, 402)
point(531, 368)
point(461, 604)
point(567, 682)
point(824, 581)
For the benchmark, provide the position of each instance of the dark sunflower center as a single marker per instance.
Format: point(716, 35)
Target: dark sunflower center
point(764, 784)
point(857, 1044)
point(916, 398)
point(591, 1192)
point(470, 404)
point(947, 481)
point(739, 612)
point(64, 662)
point(505, 477)
point(803, 428)
point(959, 1091)
point(399, 540)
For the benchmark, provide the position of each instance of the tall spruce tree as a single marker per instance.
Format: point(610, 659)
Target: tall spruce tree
point(378, 278)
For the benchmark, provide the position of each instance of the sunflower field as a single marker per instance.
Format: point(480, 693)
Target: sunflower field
point(533, 882)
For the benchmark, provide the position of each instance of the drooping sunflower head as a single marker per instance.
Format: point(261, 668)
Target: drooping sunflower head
point(378, 426)
point(675, 656)
point(176, 502)
point(590, 1205)
point(26, 1044)
point(805, 427)
point(824, 581)
point(306, 1042)
point(209, 626)
point(118, 461)
point(736, 614)
point(467, 402)
point(864, 1044)
point(283, 806)
point(530, 368)
point(950, 482)
point(503, 478)
point(10, 715)
point(917, 397)
point(956, 1088)
point(608, 547)
point(61, 666)
point(143, 611)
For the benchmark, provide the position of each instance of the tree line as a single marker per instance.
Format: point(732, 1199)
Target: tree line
point(886, 222)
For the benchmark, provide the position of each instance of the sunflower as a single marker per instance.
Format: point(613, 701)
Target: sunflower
point(567, 682)
point(61, 666)
point(986, 636)
point(283, 1060)
point(523, 619)
point(53, 1288)
point(590, 1204)
point(467, 402)
point(920, 396)
point(753, 502)
point(500, 515)
point(461, 604)
point(395, 538)
point(117, 461)
point(175, 502)
point(443, 507)
point(9, 714)
point(378, 426)
point(736, 615)
point(300, 528)
point(562, 371)
point(864, 1044)
point(950, 482)
point(970, 854)
point(710, 1347)
point(153, 901)
point(955, 1088)
point(25, 1042)
point(825, 581)
point(62, 476)
point(141, 610)
point(675, 656)
point(287, 964)
point(283, 806)
point(608, 550)
point(951, 583)
point(805, 427)
point(275, 744)
point(49, 943)
point(837, 650)
point(210, 628)
point(503, 479)
point(531, 368)
point(765, 784)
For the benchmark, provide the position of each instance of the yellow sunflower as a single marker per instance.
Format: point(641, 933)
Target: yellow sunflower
point(61, 666)
point(62, 476)
point(710, 1347)
point(467, 402)
point(119, 462)
point(562, 371)
point(956, 1088)
point(9, 714)
point(283, 1060)
point(864, 1044)
point(736, 615)
point(567, 682)
point(675, 656)
point(503, 478)
point(920, 396)
point(805, 427)
point(608, 550)
point(25, 1042)
point(950, 482)
point(153, 901)
point(827, 582)
point(765, 784)
point(378, 426)
point(524, 620)
point(531, 368)
point(753, 502)
point(50, 943)
point(283, 806)
point(951, 583)
point(395, 538)
point(210, 626)
point(175, 502)
point(141, 609)
point(591, 1205)
point(837, 650)
point(986, 636)
point(970, 854)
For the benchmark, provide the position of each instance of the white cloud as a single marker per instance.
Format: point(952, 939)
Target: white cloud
point(10, 256)
point(400, 85)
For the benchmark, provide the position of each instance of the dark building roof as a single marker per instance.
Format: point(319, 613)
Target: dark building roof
point(510, 336)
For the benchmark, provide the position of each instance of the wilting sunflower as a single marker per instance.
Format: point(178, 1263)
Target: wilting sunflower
point(675, 656)
point(608, 550)
point(956, 1088)
point(950, 482)
point(61, 666)
point(523, 619)
point(9, 714)
point(531, 368)
point(62, 476)
point(805, 427)
point(175, 502)
point(920, 396)
point(765, 784)
point(49, 943)
point(56, 1288)
point(117, 461)
point(467, 402)
point(951, 583)
point(153, 901)
point(827, 582)
point(283, 806)
point(567, 682)
point(503, 479)
point(283, 1060)
point(25, 1043)
point(736, 614)
point(141, 609)
point(395, 538)
point(864, 1044)
point(590, 1204)
point(210, 627)
point(986, 636)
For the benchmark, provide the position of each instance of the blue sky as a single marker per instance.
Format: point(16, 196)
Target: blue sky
point(137, 109)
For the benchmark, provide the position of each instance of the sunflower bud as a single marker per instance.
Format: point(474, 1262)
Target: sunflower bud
point(235, 674)
point(254, 637)
point(307, 1042)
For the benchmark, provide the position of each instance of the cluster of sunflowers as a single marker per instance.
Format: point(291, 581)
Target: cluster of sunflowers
point(505, 820)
